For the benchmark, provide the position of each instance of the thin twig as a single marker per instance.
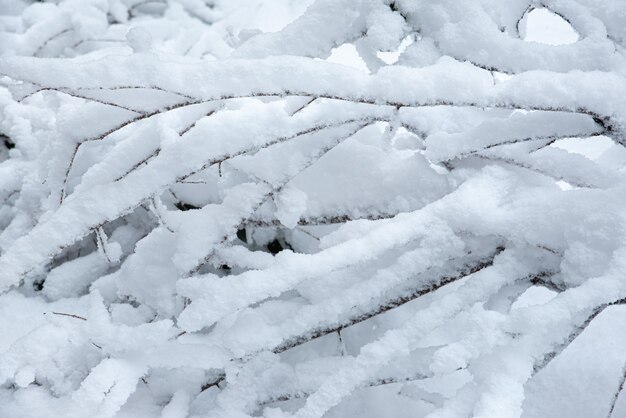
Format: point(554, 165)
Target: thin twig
point(305, 105)
point(619, 390)
point(53, 37)
point(70, 315)
point(215, 382)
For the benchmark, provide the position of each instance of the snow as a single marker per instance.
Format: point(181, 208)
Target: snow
point(331, 208)
point(588, 376)
point(347, 54)
point(542, 26)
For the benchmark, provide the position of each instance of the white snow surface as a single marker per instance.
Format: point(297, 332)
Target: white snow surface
point(331, 208)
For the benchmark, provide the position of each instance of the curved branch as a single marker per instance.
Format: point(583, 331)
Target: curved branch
point(386, 305)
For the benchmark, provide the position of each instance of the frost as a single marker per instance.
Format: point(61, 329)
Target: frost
point(297, 208)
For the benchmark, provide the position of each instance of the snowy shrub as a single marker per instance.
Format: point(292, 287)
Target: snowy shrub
point(204, 214)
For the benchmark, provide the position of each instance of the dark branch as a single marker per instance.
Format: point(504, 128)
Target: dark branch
point(70, 315)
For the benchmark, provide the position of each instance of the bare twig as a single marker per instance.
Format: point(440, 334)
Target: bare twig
point(215, 382)
point(70, 315)
point(305, 105)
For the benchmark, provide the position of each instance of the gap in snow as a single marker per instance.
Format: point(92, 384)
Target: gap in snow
point(391, 57)
point(501, 77)
point(563, 185)
point(592, 147)
point(534, 295)
point(269, 16)
point(542, 26)
point(347, 55)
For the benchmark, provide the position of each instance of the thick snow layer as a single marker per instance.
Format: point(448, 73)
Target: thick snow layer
point(589, 370)
point(331, 208)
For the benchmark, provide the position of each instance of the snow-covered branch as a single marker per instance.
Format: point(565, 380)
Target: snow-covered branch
point(306, 208)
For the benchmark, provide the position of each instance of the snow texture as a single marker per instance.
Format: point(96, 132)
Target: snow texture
point(331, 208)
